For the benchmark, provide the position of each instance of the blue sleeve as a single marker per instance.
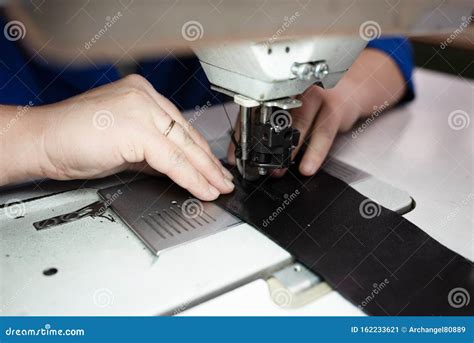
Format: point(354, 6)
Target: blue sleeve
point(26, 79)
point(181, 80)
point(400, 50)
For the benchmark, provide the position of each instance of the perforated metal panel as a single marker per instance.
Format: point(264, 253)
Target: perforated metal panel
point(163, 215)
point(171, 222)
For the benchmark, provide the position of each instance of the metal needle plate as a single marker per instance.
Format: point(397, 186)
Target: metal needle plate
point(163, 215)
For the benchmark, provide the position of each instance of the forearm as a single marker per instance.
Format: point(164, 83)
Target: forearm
point(373, 80)
point(20, 143)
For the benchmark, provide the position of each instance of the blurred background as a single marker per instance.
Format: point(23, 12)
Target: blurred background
point(449, 53)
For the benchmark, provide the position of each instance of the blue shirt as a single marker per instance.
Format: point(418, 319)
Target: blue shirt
point(25, 80)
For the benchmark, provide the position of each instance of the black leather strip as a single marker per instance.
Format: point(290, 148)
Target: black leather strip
point(372, 256)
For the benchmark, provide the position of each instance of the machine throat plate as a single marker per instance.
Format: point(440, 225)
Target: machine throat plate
point(163, 216)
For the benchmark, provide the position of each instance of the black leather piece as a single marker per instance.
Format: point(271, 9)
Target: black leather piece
point(385, 264)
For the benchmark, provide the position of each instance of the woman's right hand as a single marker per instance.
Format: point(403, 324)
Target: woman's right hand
point(122, 126)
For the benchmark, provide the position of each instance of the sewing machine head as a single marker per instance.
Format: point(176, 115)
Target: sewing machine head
point(263, 79)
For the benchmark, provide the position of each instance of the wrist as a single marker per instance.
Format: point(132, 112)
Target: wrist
point(22, 147)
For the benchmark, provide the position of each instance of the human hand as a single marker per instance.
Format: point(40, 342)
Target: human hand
point(374, 79)
point(323, 114)
point(121, 126)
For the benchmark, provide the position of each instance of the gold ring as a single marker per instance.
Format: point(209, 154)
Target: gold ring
point(169, 128)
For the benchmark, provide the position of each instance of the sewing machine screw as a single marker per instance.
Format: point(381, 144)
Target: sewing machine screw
point(321, 70)
point(302, 71)
point(306, 71)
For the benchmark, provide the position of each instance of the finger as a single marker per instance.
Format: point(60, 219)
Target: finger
point(302, 119)
point(203, 144)
point(164, 156)
point(167, 106)
point(325, 129)
point(174, 113)
point(304, 116)
point(199, 159)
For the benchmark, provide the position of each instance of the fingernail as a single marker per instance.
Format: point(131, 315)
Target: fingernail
point(229, 184)
point(213, 190)
point(227, 174)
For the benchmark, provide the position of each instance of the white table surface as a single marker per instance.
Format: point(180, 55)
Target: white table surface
point(414, 148)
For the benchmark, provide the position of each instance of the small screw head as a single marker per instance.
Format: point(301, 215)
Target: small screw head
point(302, 71)
point(321, 70)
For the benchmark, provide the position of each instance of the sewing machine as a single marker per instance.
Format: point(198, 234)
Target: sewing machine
point(94, 265)
point(263, 78)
